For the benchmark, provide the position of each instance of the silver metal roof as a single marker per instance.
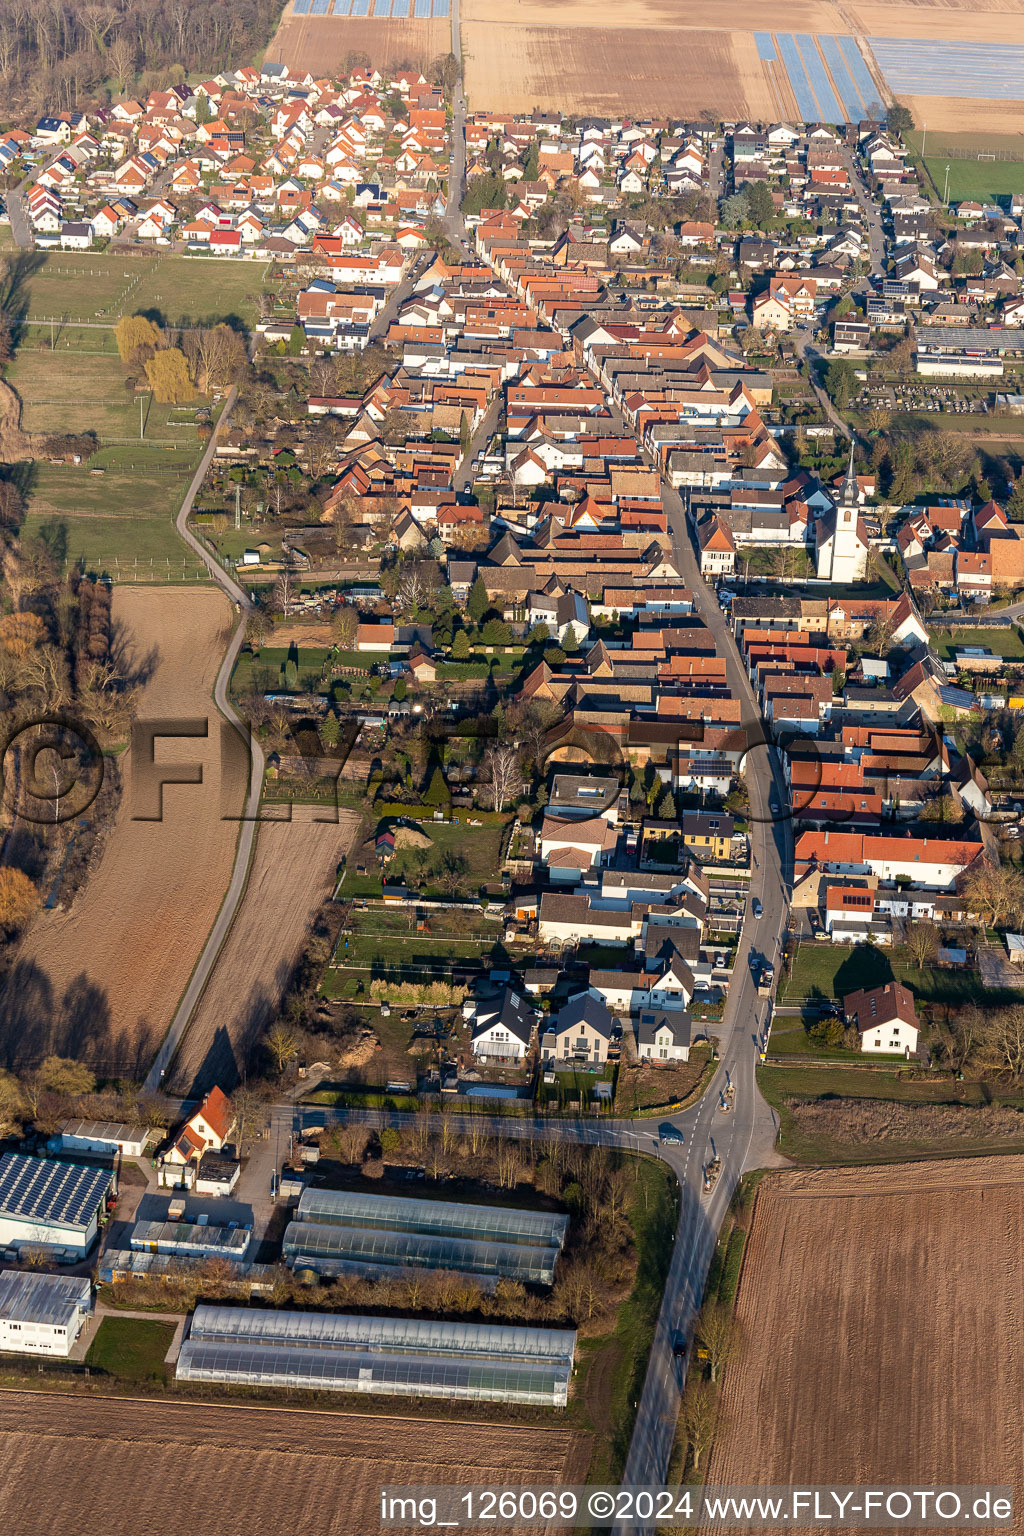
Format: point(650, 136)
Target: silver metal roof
point(53, 1299)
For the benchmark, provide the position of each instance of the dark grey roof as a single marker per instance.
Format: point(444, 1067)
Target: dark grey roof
point(51, 1192)
point(583, 1009)
point(651, 1022)
point(510, 1011)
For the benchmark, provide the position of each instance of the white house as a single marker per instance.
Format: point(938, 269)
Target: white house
point(663, 1036)
point(579, 1033)
point(885, 1019)
point(42, 1314)
point(503, 1027)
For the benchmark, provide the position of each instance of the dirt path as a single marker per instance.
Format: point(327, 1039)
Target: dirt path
point(293, 871)
point(101, 981)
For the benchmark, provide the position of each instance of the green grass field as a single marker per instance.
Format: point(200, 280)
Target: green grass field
point(1001, 642)
point(184, 290)
point(120, 521)
point(131, 1348)
point(976, 180)
point(828, 970)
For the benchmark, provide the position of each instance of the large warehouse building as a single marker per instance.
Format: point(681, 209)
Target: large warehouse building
point(396, 1356)
point(51, 1205)
point(339, 1231)
point(42, 1314)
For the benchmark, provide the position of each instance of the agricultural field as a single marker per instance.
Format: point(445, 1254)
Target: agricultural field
point(189, 1465)
point(322, 43)
point(101, 981)
point(524, 55)
point(853, 1325)
point(293, 871)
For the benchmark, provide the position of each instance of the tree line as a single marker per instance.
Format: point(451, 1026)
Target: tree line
point(61, 53)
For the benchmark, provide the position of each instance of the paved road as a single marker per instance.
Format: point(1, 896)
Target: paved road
point(247, 828)
point(454, 224)
point(17, 210)
point(379, 327)
point(871, 211)
point(478, 442)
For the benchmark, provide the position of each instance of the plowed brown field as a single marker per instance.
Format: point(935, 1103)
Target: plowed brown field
point(882, 1330)
point(101, 981)
point(98, 1464)
point(293, 871)
point(322, 44)
point(512, 66)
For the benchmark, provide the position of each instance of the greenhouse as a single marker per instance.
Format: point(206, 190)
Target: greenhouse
point(394, 1356)
point(338, 1231)
point(507, 1224)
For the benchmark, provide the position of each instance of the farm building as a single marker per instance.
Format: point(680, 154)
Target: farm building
point(45, 1204)
point(335, 1352)
point(338, 1232)
point(42, 1314)
point(103, 1137)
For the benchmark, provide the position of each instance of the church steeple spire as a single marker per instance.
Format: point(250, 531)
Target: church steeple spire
point(849, 496)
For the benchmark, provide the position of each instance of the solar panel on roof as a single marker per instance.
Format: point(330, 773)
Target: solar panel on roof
point(51, 1191)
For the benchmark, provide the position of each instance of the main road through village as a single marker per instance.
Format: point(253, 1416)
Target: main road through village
point(742, 1138)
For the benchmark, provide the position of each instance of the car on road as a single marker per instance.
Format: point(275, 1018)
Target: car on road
point(774, 804)
point(756, 907)
point(668, 1132)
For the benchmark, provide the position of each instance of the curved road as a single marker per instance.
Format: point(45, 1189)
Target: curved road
point(247, 830)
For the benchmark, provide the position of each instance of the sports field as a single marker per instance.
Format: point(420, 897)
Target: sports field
point(980, 179)
point(871, 1301)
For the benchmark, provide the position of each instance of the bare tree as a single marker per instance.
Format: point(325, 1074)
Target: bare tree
point(922, 940)
point(716, 1330)
point(283, 593)
point(1008, 1037)
point(504, 775)
point(698, 1415)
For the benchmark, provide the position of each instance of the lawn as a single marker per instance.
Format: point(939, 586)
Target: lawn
point(120, 522)
point(1001, 642)
point(384, 942)
point(832, 971)
point(131, 1348)
point(613, 1367)
point(84, 391)
point(83, 286)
